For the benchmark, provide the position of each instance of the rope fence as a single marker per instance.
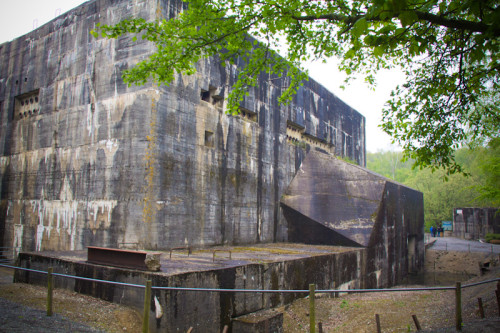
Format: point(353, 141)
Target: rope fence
point(311, 292)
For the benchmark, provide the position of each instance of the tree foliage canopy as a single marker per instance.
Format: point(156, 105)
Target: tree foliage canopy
point(448, 49)
point(490, 167)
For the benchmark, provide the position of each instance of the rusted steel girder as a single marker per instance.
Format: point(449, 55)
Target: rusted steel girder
point(118, 257)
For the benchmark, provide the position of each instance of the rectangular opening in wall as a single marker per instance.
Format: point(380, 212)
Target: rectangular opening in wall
point(247, 114)
point(209, 139)
point(294, 126)
point(217, 100)
point(294, 134)
point(297, 135)
point(27, 105)
point(212, 95)
point(205, 95)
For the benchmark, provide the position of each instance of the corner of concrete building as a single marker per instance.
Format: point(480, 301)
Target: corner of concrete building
point(332, 202)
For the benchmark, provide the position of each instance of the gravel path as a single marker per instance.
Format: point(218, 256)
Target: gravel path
point(18, 318)
point(456, 244)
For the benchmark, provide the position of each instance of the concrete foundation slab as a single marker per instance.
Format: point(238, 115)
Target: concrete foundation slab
point(276, 266)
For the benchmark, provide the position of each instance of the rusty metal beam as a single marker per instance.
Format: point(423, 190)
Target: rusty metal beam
point(116, 257)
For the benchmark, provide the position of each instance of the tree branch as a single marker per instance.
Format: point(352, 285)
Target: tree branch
point(423, 16)
point(455, 24)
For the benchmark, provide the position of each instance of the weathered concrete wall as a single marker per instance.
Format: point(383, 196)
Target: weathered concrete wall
point(206, 311)
point(475, 223)
point(397, 246)
point(72, 165)
point(337, 203)
point(86, 160)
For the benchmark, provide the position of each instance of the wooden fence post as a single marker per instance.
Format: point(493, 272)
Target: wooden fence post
point(481, 309)
point(312, 317)
point(497, 292)
point(377, 320)
point(417, 323)
point(147, 307)
point(458, 306)
point(50, 288)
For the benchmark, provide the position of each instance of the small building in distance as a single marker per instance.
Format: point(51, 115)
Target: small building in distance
point(475, 223)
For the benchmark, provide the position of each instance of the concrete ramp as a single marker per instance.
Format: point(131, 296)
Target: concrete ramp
point(332, 202)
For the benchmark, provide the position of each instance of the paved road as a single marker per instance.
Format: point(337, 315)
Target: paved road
point(456, 244)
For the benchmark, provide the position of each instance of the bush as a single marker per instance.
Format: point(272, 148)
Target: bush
point(490, 237)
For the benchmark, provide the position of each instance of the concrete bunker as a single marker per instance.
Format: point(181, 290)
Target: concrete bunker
point(77, 177)
point(341, 235)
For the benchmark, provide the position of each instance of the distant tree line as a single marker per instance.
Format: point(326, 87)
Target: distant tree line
point(442, 192)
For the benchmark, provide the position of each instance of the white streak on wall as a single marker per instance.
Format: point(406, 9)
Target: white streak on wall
point(4, 160)
point(110, 151)
point(111, 145)
point(119, 101)
point(315, 123)
point(102, 206)
point(378, 273)
point(9, 203)
point(62, 216)
point(40, 229)
point(66, 193)
point(92, 123)
point(347, 286)
point(50, 212)
point(18, 236)
point(48, 153)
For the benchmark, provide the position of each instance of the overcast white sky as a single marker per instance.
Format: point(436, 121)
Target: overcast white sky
point(18, 17)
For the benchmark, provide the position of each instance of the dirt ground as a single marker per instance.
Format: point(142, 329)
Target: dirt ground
point(435, 310)
point(455, 262)
point(347, 313)
point(93, 312)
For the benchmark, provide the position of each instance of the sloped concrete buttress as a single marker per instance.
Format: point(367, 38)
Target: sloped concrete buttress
point(332, 202)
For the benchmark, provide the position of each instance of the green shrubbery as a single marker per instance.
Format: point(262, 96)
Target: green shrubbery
point(490, 237)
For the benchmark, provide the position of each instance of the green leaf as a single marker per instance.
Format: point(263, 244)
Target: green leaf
point(359, 27)
point(442, 7)
point(407, 17)
point(378, 51)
